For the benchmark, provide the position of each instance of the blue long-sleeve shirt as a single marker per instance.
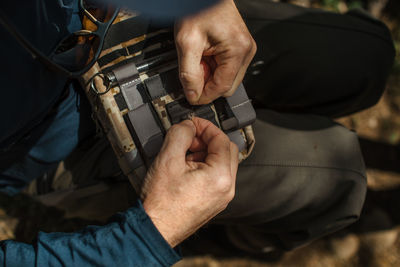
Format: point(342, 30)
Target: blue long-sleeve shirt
point(129, 240)
point(40, 125)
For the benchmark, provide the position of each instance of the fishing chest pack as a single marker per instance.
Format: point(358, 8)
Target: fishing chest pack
point(136, 96)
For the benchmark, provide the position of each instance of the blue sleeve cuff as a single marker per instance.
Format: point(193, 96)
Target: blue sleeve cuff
point(151, 236)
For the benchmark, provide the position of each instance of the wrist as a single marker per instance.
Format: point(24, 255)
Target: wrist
point(168, 223)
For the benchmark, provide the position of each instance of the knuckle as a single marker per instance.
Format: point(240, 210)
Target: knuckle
point(245, 42)
point(224, 84)
point(187, 39)
point(224, 185)
point(187, 77)
point(174, 129)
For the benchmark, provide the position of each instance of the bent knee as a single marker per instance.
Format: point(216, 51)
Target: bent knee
point(373, 54)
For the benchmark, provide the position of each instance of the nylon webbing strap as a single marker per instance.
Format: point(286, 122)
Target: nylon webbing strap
point(125, 30)
point(155, 87)
point(237, 138)
point(144, 124)
point(182, 110)
point(123, 52)
point(162, 40)
point(128, 79)
point(241, 107)
point(147, 130)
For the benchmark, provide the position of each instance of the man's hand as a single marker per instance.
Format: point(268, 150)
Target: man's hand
point(214, 50)
point(182, 192)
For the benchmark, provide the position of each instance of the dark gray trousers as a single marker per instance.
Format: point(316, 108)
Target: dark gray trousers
point(306, 177)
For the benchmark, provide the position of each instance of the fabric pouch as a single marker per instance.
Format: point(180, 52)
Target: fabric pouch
point(136, 96)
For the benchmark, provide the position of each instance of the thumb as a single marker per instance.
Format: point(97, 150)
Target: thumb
point(191, 72)
point(178, 141)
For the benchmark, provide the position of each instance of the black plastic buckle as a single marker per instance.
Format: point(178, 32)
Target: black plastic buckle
point(182, 110)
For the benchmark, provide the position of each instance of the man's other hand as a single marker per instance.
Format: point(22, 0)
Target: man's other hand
point(183, 191)
point(214, 50)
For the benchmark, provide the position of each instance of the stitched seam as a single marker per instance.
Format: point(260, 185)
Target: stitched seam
point(129, 83)
point(241, 104)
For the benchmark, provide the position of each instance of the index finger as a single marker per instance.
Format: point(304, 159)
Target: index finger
point(217, 142)
point(222, 81)
point(190, 48)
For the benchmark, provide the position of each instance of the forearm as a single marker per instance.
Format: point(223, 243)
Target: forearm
point(130, 239)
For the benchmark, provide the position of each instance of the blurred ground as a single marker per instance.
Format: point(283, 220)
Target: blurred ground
point(373, 241)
